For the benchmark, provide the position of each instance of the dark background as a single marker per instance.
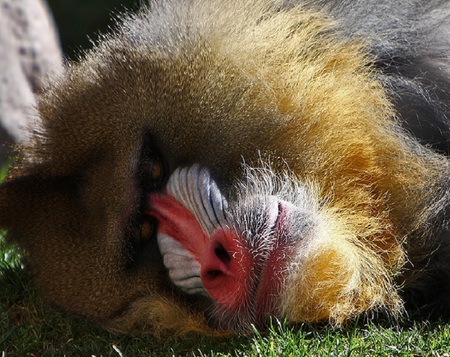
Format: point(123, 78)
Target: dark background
point(80, 21)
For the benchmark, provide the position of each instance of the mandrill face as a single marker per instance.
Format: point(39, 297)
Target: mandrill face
point(209, 166)
point(237, 254)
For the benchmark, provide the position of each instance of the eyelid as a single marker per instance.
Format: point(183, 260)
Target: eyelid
point(147, 229)
point(152, 173)
point(157, 170)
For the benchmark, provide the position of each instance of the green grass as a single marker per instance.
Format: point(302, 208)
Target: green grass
point(29, 328)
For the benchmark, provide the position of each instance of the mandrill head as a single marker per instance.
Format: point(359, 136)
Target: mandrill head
point(212, 164)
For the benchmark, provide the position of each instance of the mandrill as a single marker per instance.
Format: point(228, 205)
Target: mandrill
point(212, 164)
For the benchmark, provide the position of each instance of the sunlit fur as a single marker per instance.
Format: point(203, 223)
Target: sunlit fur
point(220, 83)
point(332, 277)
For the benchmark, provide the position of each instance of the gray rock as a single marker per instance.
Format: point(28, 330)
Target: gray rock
point(29, 54)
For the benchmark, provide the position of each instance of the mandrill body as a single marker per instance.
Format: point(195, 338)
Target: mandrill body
point(212, 164)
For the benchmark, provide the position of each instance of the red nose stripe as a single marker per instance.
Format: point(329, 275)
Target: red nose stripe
point(225, 262)
point(178, 222)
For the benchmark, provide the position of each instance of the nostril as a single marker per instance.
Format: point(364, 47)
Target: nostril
point(221, 253)
point(217, 266)
point(226, 261)
point(214, 273)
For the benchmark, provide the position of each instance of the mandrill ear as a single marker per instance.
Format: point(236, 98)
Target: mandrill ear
point(23, 201)
point(18, 200)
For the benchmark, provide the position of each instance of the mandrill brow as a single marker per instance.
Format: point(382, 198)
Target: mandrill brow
point(210, 165)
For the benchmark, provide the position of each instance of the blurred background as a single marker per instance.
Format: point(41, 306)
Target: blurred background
point(29, 53)
point(80, 21)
